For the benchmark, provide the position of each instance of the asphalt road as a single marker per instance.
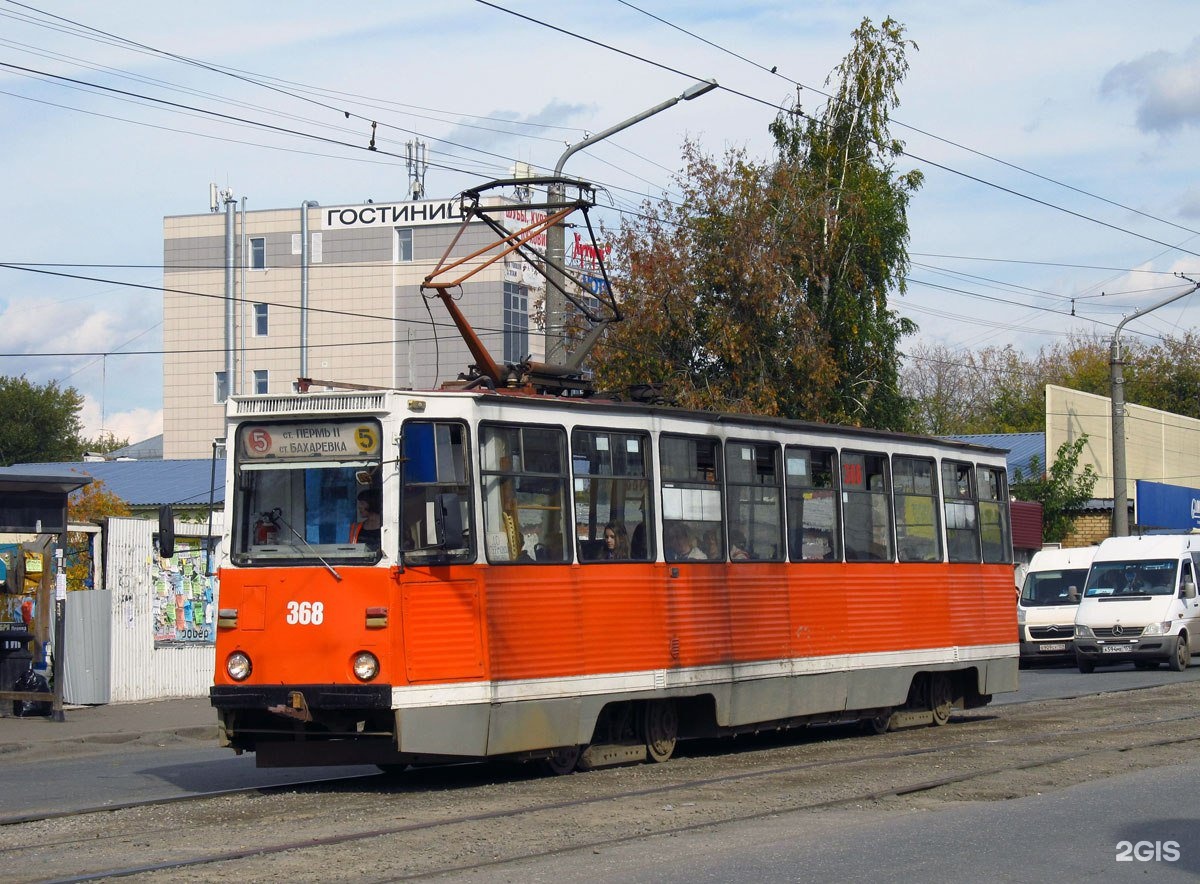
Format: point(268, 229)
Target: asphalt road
point(194, 767)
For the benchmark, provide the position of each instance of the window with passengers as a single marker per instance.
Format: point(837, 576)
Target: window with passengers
point(524, 474)
point(297, 490)
point(612, 496)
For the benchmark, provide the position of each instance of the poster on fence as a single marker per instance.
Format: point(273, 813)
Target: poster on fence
point(184, 594)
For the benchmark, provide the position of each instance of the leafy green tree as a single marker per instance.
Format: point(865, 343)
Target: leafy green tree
point(38, 422)
point(711, 320)
point(764, 288)
point(1059, 490)
point(837, 185)
point(104, 443)
point(91, 503)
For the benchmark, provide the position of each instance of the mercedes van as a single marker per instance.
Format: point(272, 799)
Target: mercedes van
point(1139, 604)
point(1049, 596)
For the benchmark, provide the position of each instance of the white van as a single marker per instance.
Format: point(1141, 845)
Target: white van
point(1046, 606)
point(1140, 603)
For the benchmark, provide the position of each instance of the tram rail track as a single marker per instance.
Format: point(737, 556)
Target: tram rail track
point(532, 807)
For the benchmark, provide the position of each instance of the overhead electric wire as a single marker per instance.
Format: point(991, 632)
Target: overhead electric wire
point(904, 150)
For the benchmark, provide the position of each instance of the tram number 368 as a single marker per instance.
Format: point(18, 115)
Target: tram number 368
point(305, 613)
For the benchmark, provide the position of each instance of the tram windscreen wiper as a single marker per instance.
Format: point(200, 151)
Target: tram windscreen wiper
point(332, 570)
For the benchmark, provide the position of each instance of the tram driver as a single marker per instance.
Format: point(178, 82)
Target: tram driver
point(367, 529)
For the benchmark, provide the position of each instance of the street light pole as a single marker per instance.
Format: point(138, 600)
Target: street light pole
point(556, 303)
point(1120, 521)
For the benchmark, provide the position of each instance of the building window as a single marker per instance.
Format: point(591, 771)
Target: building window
point(516, 322)
point(260, 381)
point(260, 320)
point(258, 253)
point(220, 387)
point(404, 248)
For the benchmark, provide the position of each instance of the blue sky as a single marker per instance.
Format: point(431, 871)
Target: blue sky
point(1058, 142)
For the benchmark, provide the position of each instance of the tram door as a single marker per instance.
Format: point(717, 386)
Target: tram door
point(441, 610)
point(698, 613)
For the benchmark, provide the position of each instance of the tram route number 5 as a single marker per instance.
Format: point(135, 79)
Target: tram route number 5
point(305, 613)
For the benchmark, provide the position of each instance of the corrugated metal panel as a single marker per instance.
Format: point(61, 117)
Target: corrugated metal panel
point(147, 482)
point(1021, 448)
point(87, 636)
point(1026, 524)
point(139, 670)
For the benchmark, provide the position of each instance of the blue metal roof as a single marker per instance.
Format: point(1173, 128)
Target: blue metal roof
point(144, 482)
point(1021, 448)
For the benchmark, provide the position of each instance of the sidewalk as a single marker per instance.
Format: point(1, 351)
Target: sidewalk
point(88, 727)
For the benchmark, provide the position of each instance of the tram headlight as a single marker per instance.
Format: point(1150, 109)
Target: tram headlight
point(238, 666)
point(366, 666)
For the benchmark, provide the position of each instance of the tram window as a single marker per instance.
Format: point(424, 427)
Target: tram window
point(523, 469)
point(918, 535)
point(612, 495)
point(812, 504)
point(865, 507)
point(993, 516)
point(297, 486)
point(691, 498)
point(960, 507)
point(755, 501)
point(436, 474)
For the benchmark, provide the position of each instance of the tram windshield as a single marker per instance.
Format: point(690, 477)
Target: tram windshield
point(305, 491)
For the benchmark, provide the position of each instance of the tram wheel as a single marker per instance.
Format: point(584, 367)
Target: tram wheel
point(660, 729)
point(563, 760)
point(941, 698)
point(878, 724)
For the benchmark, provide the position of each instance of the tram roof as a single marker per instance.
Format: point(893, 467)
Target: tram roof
point(259, 407)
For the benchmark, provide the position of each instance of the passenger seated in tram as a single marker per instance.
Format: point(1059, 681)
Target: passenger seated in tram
point(616, 541)
point(367, 529)
point(637, 543)
point(816, 546)
point(737, 545)
point(681, 543)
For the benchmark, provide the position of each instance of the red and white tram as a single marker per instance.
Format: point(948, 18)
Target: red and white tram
point(760, 573)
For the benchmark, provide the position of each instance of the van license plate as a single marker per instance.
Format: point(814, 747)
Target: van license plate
point(1116, 649)
point(1054, 646)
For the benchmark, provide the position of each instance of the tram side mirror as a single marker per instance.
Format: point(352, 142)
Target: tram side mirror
point(448, 521)
point(166, 532)
point(1189, 588)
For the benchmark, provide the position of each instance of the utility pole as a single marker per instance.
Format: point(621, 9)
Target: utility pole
point(556, 303)
point(1120, 521)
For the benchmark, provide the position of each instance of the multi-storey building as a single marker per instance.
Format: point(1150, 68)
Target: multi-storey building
point(249, 306)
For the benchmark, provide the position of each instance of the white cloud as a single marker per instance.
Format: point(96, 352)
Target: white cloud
point(136, 425)
point(1166, 85)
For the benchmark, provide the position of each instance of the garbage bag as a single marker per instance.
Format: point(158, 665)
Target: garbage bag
point(33, 683)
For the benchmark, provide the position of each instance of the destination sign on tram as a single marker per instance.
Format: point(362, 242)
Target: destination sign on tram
point(310, 441)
